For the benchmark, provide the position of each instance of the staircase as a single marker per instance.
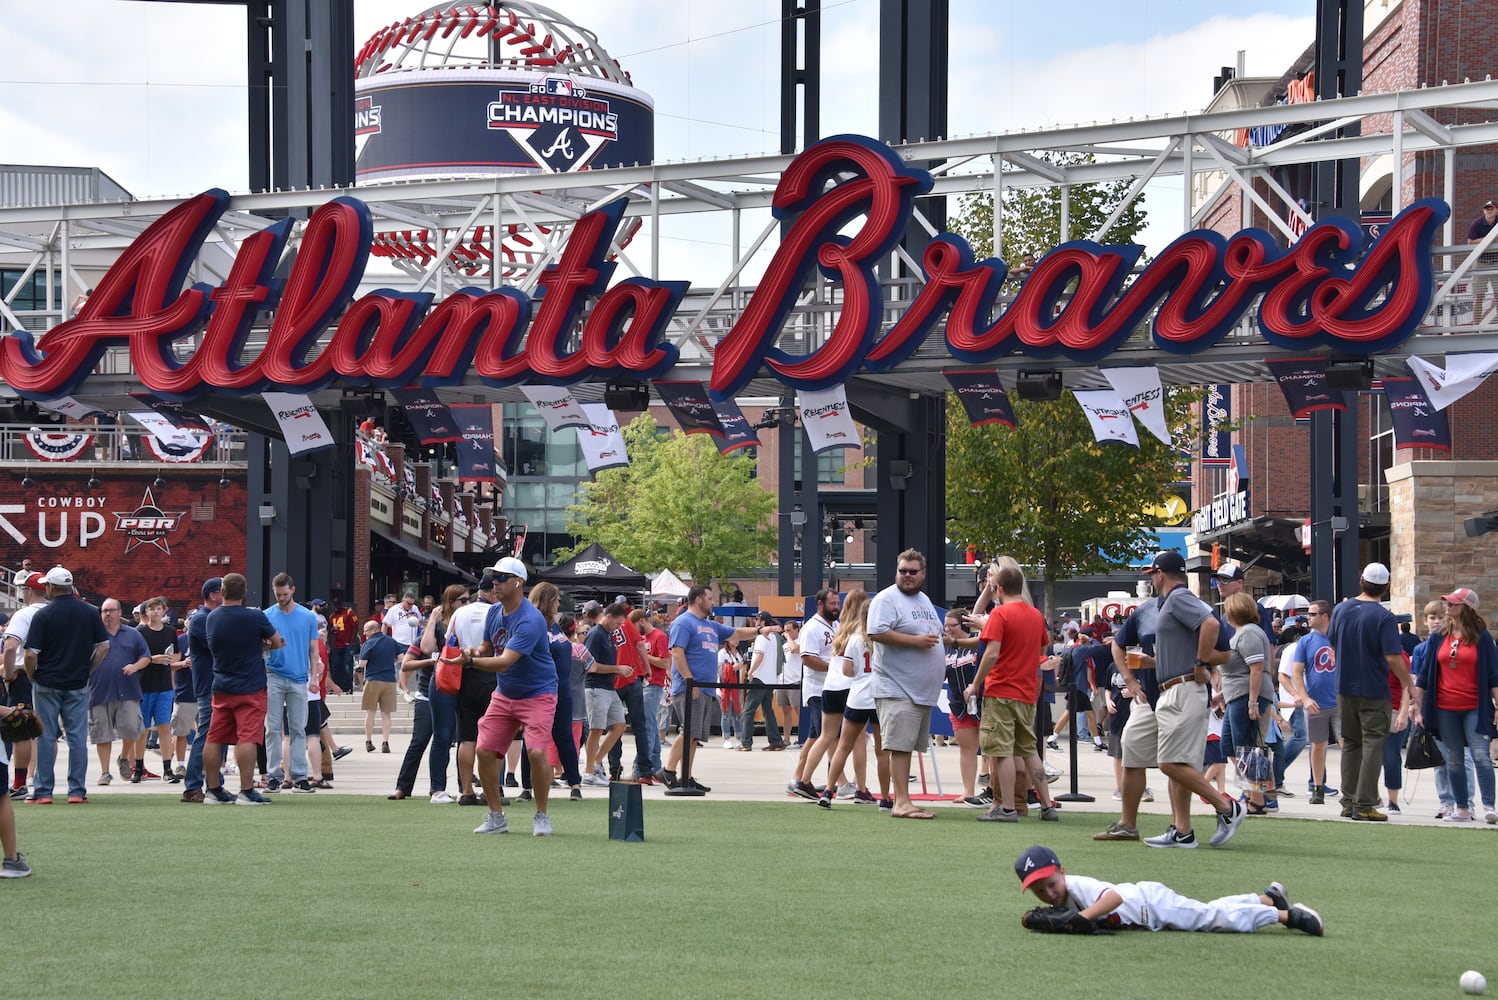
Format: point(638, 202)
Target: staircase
point(346, 718)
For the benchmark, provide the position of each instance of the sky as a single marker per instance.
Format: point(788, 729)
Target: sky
point(154, 93)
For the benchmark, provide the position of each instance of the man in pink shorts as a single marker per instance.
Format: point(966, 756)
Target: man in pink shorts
point(517, 647)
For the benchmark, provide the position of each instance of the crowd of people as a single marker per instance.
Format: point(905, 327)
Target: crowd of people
point(534, 699)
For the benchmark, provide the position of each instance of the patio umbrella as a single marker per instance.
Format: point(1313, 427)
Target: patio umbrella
point(1285, 602)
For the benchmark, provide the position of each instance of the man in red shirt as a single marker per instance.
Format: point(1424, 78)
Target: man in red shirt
point(343, 633)
point(658, 661)
point(630, 651)
point(1015, 639)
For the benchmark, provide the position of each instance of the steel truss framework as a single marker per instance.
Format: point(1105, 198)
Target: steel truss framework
point(452, 223)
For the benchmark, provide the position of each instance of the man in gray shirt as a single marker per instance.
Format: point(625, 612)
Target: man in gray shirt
point(1173, 736)
point(909, 667)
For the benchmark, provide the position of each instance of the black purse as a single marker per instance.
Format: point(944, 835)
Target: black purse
point(1423, 751)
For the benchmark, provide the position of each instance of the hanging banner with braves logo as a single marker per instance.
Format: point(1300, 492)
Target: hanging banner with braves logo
point(179, 415)
point(429, 416)
point(301, 424)
point(1108, 416)
point(1217, 416)
point(1303, 381)
point(70, 407)
point(1417, 422)
point(476, 450)
point(1462, 374)
point(690, 404)
point(187, 446)
point(602, 441)
point(57, 446)
point(982, 397)
point(1142, 393)
point(827, 420)
point(737, 431)
point(556, 405)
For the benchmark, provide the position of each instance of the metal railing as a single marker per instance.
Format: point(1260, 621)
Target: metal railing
point(111, 444)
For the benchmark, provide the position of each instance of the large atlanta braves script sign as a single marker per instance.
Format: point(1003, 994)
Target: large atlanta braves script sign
point(1079, 302)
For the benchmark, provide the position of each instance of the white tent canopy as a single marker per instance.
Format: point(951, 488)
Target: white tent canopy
point(667, 584)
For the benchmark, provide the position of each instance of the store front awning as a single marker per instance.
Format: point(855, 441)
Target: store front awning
point(394, 546)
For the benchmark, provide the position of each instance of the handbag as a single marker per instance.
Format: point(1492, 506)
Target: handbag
point(447, 675)
point(1423, 751)
point(1253, 762)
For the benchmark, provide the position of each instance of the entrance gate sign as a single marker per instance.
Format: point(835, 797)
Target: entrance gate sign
point(1322, 292)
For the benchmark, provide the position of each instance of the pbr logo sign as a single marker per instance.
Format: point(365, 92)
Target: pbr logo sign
point(554, 120)
point(147, 524)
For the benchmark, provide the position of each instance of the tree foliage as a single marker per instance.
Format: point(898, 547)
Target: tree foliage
point(679, 505)
point(1046, 492)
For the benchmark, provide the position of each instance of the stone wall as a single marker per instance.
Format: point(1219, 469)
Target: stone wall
point(1429, 553)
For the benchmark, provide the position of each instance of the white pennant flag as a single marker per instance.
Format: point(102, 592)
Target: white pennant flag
point(1108, 416)
point(301, 424)
point(601, 441)
point(70, 407)
point(168, 434)
point(1141, 392)
point(556, 406)
point(1463, 373)
point(825, 416)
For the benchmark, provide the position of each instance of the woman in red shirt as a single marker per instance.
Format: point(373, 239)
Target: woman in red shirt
point(1458, 690)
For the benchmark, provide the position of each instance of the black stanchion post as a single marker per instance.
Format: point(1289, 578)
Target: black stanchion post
point(684, 782)
point(1074, 795)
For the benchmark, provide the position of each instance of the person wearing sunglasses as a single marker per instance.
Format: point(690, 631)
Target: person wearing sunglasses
point(1457, 691)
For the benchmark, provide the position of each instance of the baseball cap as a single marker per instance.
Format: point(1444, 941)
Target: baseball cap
point(1490, 204)
point(318, 602)
point(486, 583)
point(35, 582)
point(1169, 561)
point(592, 607)
point(57, 576)
point(1301, 621)
point(1035, 864)
point(1376, 572)
point(212, 585)
point(1230, 571)
point(512, 566)
point(1462, 595)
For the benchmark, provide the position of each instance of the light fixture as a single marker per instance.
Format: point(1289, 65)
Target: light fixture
point(158, 483)
point(848, 533)
point(223, 482)
point(27, 482)
point(1038, 384)
point(1350, 374)
point(267, 514)
point(93, 481)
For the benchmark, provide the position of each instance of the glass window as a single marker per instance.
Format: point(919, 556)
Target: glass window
point(33, 294)
point(830, 466)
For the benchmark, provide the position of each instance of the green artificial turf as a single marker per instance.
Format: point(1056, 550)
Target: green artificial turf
point(342, 896)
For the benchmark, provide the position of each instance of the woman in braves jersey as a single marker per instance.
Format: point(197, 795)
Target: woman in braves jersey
point(962, 667)
point(851, 665)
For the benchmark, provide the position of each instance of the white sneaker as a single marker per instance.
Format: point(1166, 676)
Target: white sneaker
point(728, 744)
point(441, 799)
point(493, 823)
point(1148, 796)
point(541, 825)
point(408, 696)
point(231, 769)
point(1052, 772)
point(846, 790)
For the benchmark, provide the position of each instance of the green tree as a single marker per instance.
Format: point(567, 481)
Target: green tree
point(680, 505)
point(1046, 492)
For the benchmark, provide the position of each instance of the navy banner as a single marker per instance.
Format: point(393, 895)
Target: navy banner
point(1217, 414)
point(737, 432)
point(429, 416)
point(982, 397)
point(476, 449)
point(690, 404)
point(1417, 423)
point(1303, 381)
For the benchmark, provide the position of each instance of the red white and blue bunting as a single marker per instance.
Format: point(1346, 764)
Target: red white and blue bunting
point(63, 446)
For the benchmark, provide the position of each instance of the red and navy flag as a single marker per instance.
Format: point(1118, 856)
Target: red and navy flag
point(690, 404)
point(737, 431)
point(1417, 423)
point(476, 449)
point(1303, 381)
point(982, 397)
point(429, 416)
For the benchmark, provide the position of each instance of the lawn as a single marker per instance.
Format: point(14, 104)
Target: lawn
point(344, 896)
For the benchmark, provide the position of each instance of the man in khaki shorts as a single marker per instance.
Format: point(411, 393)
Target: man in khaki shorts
point(1173, 735)
point(377, 658)
point(114, 694)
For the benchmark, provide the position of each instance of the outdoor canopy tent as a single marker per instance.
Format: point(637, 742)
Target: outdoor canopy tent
point(667, 584)
point(594, 568)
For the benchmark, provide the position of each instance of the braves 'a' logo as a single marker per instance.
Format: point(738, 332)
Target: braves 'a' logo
point(1324, 660)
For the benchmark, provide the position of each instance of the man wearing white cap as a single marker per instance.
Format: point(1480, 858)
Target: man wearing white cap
point(18, 685)
point(1366, 640)
point(66, 642)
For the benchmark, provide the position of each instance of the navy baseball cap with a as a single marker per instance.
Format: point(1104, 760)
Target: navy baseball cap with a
point(1035, 864)
point(212, 585)
point(1169, 561)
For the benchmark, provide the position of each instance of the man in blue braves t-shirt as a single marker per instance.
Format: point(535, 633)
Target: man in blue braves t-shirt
point(517, 647)
point(1366, 641)
point(1314, 674)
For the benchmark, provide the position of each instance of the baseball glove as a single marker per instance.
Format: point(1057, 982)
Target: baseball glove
point(20, 725)
point(1058, 920)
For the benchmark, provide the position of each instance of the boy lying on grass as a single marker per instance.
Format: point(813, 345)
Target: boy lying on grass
point(1076, 904)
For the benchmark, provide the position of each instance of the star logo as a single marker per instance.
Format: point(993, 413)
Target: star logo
point(147, 524)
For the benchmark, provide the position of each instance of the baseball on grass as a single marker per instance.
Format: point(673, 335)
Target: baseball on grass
point(1474, 982)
